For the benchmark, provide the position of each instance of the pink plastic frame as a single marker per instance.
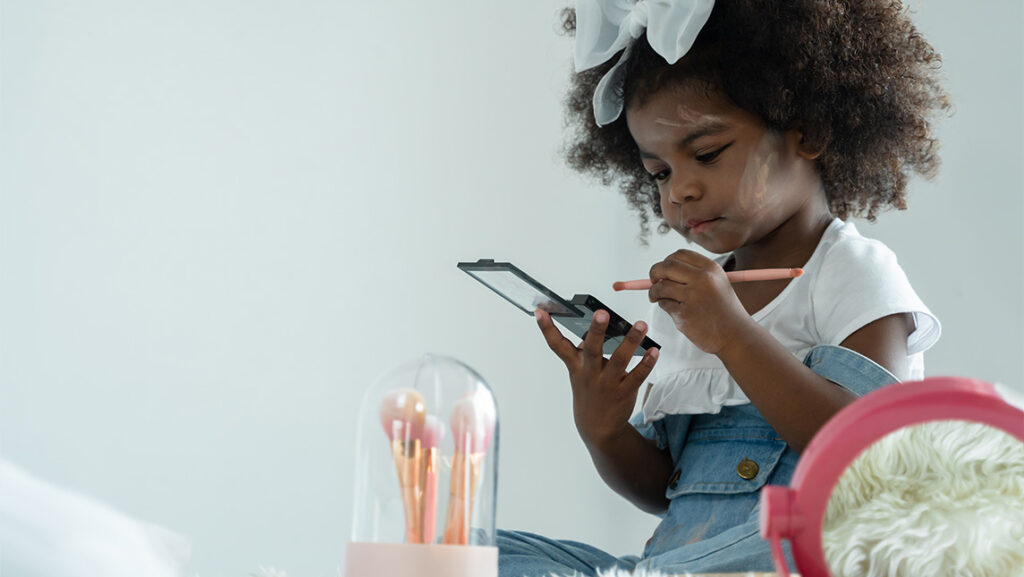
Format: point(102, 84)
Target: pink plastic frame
point(796, 512)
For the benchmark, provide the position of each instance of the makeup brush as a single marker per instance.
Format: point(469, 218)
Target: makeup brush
point(472, 422)
point(432, 432)
point(403, 415)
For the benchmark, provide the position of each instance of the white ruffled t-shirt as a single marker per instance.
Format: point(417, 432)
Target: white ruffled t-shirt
point(847, 283)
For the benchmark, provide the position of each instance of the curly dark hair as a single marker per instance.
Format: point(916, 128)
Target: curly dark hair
point(854, 76)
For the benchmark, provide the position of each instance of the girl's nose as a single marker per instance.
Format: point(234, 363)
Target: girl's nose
point(683, 188)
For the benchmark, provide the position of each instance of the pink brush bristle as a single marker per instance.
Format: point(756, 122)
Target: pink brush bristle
point(403, 415)
point(432, 432)
point(472, 422)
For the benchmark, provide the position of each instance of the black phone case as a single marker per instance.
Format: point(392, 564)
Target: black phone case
point(614, 334)
point(581, 307)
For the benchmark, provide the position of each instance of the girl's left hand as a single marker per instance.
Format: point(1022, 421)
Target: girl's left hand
point(695, 292)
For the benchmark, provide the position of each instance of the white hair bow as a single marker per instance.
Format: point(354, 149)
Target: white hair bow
point(603, 27)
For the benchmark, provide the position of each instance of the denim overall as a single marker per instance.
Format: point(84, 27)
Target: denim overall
point(721, 462)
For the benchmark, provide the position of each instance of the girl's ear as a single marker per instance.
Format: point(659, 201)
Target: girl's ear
point(808, 146)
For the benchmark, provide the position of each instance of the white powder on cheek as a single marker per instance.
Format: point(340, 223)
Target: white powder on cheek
point(753, 185)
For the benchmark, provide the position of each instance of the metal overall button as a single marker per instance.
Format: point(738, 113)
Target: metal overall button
point(747, 469)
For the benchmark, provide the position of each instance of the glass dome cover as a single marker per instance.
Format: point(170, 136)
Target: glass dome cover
point(426, 459)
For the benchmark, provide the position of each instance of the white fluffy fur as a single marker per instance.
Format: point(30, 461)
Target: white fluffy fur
point(939, 499)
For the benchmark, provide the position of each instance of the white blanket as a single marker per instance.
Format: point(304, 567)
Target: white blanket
point(47, 531)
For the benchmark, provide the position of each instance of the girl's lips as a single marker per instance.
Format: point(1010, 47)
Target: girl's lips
point(698, 226)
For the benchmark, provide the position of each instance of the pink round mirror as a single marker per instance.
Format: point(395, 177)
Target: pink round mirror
point(857, 449)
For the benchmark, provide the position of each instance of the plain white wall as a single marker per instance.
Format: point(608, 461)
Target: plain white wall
point(220, 221)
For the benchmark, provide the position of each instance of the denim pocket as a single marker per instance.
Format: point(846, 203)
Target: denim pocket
point(726, 462)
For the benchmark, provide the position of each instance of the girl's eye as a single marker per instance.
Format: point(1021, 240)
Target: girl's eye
point(659, 176)
point(709, 157)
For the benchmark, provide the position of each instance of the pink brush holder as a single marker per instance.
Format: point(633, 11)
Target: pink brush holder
point(796, 512)
point(426, 480)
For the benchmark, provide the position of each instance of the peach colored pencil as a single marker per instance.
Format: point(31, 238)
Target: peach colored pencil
point(734, 276)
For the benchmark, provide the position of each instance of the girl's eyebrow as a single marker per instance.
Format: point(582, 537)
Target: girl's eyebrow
point(706, 129)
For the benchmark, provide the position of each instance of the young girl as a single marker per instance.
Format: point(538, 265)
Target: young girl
point(752, 128)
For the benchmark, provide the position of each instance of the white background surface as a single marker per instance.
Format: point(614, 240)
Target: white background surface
point(220, 221)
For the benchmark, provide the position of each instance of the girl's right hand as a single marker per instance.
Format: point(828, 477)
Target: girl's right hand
point(603, 392)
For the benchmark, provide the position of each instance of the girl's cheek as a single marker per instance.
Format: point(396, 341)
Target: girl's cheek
point(752, 190)
point(753, 187)
point(663, 202)
point(669, 213)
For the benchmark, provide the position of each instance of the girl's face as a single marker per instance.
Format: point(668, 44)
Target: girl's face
point(725, 180)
